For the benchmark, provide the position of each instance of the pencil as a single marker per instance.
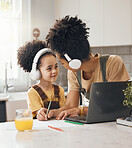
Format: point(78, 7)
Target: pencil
point(56, 128)
point(48, 107)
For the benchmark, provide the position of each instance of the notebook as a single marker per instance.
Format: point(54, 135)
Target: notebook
point(106, 103)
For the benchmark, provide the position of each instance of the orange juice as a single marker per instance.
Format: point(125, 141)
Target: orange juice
point(24, 124)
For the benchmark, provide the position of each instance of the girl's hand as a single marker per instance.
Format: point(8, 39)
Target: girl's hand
point(70, 113)
point(41, 114)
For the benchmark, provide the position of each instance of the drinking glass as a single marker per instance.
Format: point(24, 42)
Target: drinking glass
point(23, 120)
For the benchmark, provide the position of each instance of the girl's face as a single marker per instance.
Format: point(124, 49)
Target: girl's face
point(49, 68)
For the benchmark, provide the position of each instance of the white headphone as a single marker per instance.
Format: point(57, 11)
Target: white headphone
point(74, 64)
point(35, 73)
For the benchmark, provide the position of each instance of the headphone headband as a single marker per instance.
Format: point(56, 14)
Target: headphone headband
point(39, 53)
point(67, 57)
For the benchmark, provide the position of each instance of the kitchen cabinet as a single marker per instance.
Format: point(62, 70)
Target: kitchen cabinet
point(91, 12)
point(117, 22)
point(66, 7)
point(110, 21)
point(2, 110)
point(16, 100)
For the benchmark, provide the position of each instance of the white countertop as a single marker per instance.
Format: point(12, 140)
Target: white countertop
point(4, 97)
point(101, 135)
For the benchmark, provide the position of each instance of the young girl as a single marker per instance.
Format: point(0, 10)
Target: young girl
point(42, 64)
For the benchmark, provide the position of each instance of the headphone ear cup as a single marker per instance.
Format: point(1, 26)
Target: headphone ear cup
point(35, 74)
point(75, 64)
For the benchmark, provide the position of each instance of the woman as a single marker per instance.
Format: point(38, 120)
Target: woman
point(68, 38)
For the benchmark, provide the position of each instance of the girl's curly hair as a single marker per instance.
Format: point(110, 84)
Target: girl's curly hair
point(69, 35)
point(26, 54)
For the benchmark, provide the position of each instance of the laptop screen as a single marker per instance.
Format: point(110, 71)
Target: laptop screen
point(106, 102)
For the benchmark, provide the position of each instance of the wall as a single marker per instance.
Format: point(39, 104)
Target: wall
point(42, 16)
point(125, 52)
point(62, 78)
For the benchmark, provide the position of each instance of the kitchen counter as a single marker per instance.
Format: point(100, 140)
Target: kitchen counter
point(4, 97)
point(101, 135)
point(9, 103)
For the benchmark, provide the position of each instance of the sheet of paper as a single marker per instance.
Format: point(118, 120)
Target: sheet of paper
point(55, 123)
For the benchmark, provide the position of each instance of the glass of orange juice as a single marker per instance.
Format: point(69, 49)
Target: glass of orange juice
point(23, 120)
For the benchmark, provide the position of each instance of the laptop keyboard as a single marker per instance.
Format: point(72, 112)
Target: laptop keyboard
point(81, 118)
point(77, 118)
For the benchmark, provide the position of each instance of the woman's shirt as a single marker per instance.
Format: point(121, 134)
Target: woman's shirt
point(115, 71)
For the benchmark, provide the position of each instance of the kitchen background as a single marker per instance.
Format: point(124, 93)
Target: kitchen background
point(110, 23)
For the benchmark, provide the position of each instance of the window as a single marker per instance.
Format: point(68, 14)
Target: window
point(11, 38)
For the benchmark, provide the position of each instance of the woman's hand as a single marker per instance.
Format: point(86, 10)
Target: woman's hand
point(53, 113)
point(41, 114)
point(70, 113)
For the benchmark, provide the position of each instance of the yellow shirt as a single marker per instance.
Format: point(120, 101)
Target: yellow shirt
point(35, 102)
point(115, 71)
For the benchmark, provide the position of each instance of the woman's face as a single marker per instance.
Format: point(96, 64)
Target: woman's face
point(49, 68)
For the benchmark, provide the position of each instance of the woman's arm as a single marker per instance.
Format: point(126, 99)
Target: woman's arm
point(72, 101)
point(72, 112)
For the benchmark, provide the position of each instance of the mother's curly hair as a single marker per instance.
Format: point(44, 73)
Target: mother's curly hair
point(69, 35)
point(26, 53)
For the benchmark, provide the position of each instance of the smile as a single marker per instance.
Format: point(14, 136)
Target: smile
point(53, 76)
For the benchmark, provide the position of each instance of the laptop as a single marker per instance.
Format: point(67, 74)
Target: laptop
point(106, 103)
